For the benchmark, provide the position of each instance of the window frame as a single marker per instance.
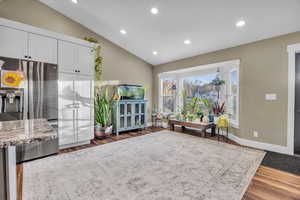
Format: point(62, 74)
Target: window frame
point(235, 123)
point(180, 75)
point(160, 90)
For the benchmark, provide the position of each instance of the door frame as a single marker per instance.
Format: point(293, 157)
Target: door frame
point(292, 51)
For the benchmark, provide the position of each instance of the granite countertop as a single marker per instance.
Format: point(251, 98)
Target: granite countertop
point(25, 131)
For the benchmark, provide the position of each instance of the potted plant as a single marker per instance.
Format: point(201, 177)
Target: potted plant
point(103, 114)
point(218, 110)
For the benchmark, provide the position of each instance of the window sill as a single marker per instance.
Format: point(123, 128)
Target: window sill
point(234, 124)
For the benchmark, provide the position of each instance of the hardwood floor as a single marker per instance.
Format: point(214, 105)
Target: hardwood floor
point(267, 184)
point(273, 184)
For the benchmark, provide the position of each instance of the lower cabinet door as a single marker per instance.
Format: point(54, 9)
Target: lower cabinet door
point(84, 105)
point(66, 111)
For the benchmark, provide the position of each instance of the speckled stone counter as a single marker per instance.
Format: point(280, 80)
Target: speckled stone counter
point(25, 131)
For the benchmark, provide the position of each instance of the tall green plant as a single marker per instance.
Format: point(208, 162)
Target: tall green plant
point(103, 108)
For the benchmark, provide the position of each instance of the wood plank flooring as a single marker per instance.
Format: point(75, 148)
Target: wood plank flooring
point(267, 184)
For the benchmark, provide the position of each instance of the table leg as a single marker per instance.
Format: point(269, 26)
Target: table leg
point(172, 126)
point(227, 134)
point(213, 130)
point(218, 134)
point(183, 128)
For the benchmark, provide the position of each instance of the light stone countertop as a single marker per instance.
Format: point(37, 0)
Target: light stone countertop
point(25, 131)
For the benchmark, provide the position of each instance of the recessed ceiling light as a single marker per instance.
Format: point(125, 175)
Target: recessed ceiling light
point(75, 1)
point(123, 31)
point(154, 11)
point(154, 52)
point(240, 23)
point(187, 41)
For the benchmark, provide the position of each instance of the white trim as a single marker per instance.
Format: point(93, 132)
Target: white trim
point(201, 67)
point(292, 50)
point(259, 145)
point(236, 123)
point(43, 32)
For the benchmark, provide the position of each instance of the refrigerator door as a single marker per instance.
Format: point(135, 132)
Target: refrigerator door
point(42, 91)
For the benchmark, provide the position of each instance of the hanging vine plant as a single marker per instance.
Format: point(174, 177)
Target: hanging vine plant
point(98, 61)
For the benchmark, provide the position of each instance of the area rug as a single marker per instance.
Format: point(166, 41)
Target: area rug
point(160, 166)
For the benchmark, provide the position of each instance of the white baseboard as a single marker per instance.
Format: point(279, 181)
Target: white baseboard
point(260, 145)
point(248, 143)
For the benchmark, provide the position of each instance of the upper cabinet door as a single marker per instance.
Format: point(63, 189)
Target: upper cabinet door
point(13, 43)
point(42, 49)
point(86, 59)
point(67, 56)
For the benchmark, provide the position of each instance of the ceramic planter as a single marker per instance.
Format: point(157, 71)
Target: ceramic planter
point(101, 132)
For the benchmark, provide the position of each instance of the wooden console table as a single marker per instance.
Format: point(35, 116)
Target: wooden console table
point(195, 124)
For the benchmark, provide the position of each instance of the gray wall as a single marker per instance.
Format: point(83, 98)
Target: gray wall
point(263, 69)
point(118, 63)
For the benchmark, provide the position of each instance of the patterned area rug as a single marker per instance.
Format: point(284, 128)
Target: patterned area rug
point(160, 166)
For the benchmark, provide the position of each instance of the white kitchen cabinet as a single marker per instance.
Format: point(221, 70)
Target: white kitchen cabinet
point(42, 49)
point(66, 114)
point(67, 56)
point(75, 58)
point(85, 107)
point(13, 43)
point(23, 45)
point(85, 60)
point(76, 110)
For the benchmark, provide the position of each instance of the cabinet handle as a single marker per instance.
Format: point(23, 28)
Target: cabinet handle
point(29, 57)
point(26, 56)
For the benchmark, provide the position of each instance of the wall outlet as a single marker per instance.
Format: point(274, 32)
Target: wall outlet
point(271, 97)
point(255, 134)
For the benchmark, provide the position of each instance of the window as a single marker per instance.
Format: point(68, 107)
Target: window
point(168, 96)
point(198, 82)
point(233, 96)
point(201, 87)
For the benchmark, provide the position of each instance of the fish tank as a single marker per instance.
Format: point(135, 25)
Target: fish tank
point(131, 92)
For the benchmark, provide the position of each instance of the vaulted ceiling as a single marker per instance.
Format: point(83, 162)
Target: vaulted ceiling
point(209, 25)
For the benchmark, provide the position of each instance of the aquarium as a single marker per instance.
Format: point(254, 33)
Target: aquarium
point(131, 92)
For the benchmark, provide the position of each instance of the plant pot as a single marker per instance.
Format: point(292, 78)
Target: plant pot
point(102, 132)
point(99, 131)
point(108, 130)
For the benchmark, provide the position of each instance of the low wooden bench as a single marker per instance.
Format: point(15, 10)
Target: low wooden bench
point(195, 124)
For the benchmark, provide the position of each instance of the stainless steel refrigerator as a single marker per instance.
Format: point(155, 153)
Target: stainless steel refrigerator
point(29, 90)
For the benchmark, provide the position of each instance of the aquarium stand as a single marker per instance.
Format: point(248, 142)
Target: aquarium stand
point(129, 115)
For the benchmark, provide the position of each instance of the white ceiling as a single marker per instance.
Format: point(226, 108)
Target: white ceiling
point(209, 24)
